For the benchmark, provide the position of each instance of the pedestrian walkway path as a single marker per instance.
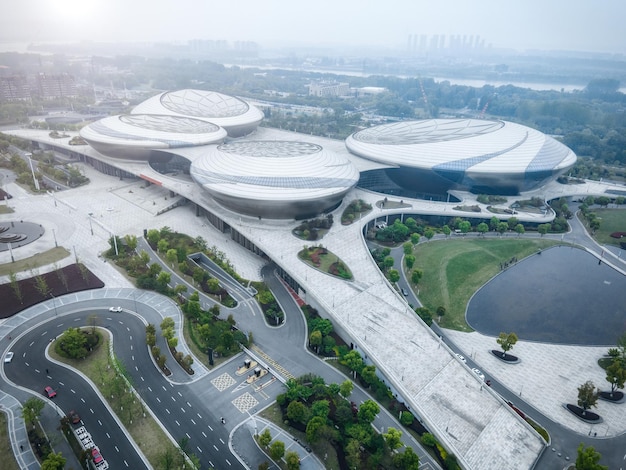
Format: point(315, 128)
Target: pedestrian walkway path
point(17, 432)
point(275, 365)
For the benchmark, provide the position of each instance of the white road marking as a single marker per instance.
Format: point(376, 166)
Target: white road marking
point(228, 462)
point(199, 449)
point(168, 411)
point(204, 434)
point(176, 421)
point(222, 441)
point(215, 447)
point(193, 421)
point(158, 399)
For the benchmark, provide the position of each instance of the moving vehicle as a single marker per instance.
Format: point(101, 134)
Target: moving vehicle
point(478, 373)
point(115, 309)
point(404, 292)
point(461, 358)
point(73, 417)
point(9, 356)
point(49, 392)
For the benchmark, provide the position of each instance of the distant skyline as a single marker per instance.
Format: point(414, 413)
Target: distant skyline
point(580, 25)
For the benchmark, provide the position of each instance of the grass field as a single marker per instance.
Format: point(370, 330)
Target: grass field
point(8, 460)
point(33, 262)
point(612, 220)
point(455, 269)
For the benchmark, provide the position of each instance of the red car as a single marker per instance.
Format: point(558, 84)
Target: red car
point(49, 392)
point(73, 417)
point(96, 455)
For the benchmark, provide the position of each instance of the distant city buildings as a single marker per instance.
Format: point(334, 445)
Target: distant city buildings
point(454, 44)
point(42, 85)
point(326, 88)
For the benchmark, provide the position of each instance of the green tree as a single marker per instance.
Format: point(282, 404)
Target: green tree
point(353, 361)
point(393, 438)
point(265, 438)
point(543, 229)
point(144, 257)
point(415, 238)
point(31, 410)
point(587, 396)
point(153, 236)
point(388, 262)
point(277, 450)
point(407, 460)
point(266, 297)
point(131, 242)
point(54, 461)
point(588, 458)
point(429, 233)
point(292, 459)
point(519, 229)
point(154, 269)
point(346, 387)
point(416, 275)
point(162, 245)
point(465, 226)
point(409, 261)
point(172, 256)
point(407, 248)
point(315, 340)
point(314, 427)
point(482, 228)
point(441, 311)
point(368, 411)
point(15, 285)
point(512, 222)
point(164, 278)
point(616, 375)
point(502, 227)
point(406, 418)
point(446, 230)
point(394, 275)
point(353, 453)
point(42, 286)
point(425, 314)
point(298, 412)
point(73, 342)
point(506, 342)
point(321, 408)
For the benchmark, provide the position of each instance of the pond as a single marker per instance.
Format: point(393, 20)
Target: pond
point(563, 295)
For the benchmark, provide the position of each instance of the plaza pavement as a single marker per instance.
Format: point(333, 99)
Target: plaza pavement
point(362, 308)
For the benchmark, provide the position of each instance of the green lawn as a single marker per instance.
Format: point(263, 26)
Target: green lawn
point(33, 262)
point(455, 269)
point(612, 220)
point(8, 460)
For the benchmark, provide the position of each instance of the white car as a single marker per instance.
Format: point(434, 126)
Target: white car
point(115, 309)
point(478, 373)
point(9, 356)
point(461, 358)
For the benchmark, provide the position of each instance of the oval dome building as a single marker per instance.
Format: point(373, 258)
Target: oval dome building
point(138, 136)
point(275, 179)
point(482, 156)
point(236, 116)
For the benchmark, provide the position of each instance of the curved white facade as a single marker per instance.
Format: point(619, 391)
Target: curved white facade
point(275, 179)
point(236, 116)
point(469, 154)
point(135, 136)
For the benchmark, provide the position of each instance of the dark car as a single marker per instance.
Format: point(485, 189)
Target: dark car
point(73, 417)
point(49, 392)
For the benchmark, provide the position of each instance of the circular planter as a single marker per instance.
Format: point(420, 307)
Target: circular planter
point(588, 416)
point(617, 397)
point(504, 357)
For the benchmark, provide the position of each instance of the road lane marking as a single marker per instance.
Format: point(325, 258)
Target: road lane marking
point(215, 447)
point(210, 427)
point(183, 409)
point(31, 344)
point(180, 394)
point(173, 399)
point(108, 435)
point(117, 449)
point(168, 411)
point(193, 421)
point(189, 404)
point(222, 441)
point(83, 400)
point(228, 462)
point(176, 421)
point(92, 412)
point(149, 389)
point(188, 436)
point(199, 415)
point(158, 399)
point(72, 390)
point(203, 433)
point(199, 449)
point(100, 422)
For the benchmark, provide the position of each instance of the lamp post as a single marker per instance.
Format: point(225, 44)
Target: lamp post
point(55, 238)
point(54, 303)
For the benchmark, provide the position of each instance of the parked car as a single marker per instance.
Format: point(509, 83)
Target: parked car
point(9, 356)
point(462, 359)
point(96, 455)
point(49, 392)
point(115, 309)
point(478, 373)
point(404, 292)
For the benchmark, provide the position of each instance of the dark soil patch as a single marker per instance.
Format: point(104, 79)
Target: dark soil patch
point(72, 278)
point(505, 357)
point(616, 397)
point(588, 416)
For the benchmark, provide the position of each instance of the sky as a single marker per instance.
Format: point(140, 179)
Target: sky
point(583, 25)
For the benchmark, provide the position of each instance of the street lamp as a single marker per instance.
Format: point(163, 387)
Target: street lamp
point(55, 238)
point(54, 303)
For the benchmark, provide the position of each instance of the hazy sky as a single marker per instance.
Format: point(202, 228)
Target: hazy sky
point(593, 25)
